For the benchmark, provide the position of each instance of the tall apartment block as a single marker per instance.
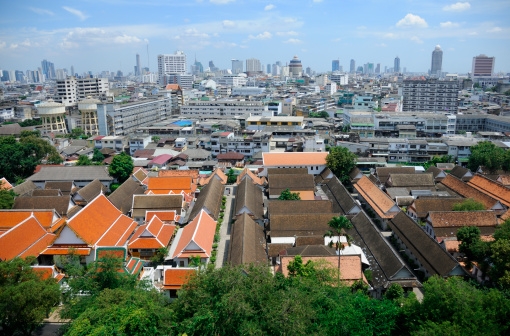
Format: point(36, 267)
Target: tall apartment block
point(72, 89)
point(483, 66)
point(437, 62)
point(430, 96)
point(171, 64)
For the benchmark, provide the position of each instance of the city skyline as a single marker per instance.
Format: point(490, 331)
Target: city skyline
point(95, 36)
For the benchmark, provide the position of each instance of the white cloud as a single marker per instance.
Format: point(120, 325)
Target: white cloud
point(390, 36)
point(293, 41)
point(473, 33)
point(416, 39)
point(361, 27)
point(221, 2)
point(338, 39)
point(317, 1)
point(411, 20)
point(494, 30)
point(228, 24)
point(289, 20)
point(76, 12)
point(14, 46)
point(381, 45)
point(41, 11)
point(269, 7)
point(2, 45)
point(449, 24)
point(457, 7)
point(262, 36)
point(94, 36)
point(224, 44)
point(288, 33)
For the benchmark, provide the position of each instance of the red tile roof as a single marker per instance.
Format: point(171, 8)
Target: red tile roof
point(491, 188)
point(165, 216)
point(4, 184)
point(350, 266)
point(176, 277)
point(294, 159)
point(201, 232)
point(161, 159)
point(11, 218)
point(378, 200)
point(230, 156)
point(468, 191)
point(153, 235)
point(168, 183)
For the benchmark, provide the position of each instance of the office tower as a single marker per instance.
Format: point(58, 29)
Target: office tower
point(253, 65)
point(295, 67)
point(19, 75)
point(197, 68)
point(138, 67)
point(268, 69)
point(396, 66)
point(352, 68)
point(308, 71)
point(335, 65)
point(378, 68)
point(276, 70)
point(60, 74)
point(48, 69)
point(72, 70)
point(405, 70)
point(430, 95)
point(368, 68)
point(279, 63)
point(483, 66)
point(212, 67)
point(171, 64)
point(237, 66)
point(437, 61)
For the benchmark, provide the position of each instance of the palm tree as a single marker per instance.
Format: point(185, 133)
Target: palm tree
point(338, 225)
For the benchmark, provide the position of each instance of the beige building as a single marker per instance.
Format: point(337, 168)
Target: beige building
point(88, 110)
point(52, 115)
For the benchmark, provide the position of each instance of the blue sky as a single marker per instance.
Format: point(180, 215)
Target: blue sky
point(106, 35)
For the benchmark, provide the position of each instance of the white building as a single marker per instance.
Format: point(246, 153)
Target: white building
point(339, 78)
point(171, 64)
point(235, 80)
point(222, 108)
point(252, 65)
point(257, 123)
point(71, 89)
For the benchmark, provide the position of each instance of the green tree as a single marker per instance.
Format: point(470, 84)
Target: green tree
point(83, 160)
point(231, 178)
point(287, 195)
point(160, 255)
point(500, 259)
point(54, 159)
point(30, 122)
point(97, 156)
point(395, 293)
point(25, 298)
point(155, 139)
point(121, 167)
point(76, 133)
point(6, 198)
point(486, 154)
point(341, 161)
point(297, 268)
point(339, 225)
point(468, 205)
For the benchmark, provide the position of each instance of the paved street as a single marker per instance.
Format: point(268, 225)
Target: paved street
point(221, 257)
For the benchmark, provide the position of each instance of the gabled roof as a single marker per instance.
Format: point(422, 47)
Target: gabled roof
point(246, 173)
point(249, 196)
point(210, 198)
point(161, 159)
point(74, 173)
point(185, 172)
point(154, 235)
point(100, 223)
point(247, 242)
point(384, 172)
point(287, 171)
point(378, 200)
point(468, 191)
point(46, 192)
point(277, 207)
point(176, 277)
point(436, 172)
point(323, 176)
point(504, 180)
point(410, 180)
point(423, 205)
point(291, 225)
point(429, 253)
point(197, 237)
point(278, 183)
point(122, 197)
point(461, 172)
point(171, 183)
point(230, 156)
point(66, 187)
point(28, 238)
point(139, 174)
point(142, 203)
point(448, 219)
point(294, 159)
point(217, 174)
point(338, 194)
point(491, 188)
point(25, 188)
point(60, 203)
point(10, 218)
point(164, 215)
point(91, 190)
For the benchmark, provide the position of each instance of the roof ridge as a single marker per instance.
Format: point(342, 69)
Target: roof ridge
point(111, 225)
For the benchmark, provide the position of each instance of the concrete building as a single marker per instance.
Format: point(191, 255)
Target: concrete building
point(335, 65)
point(295, 67)
point(258, 123)
point(88, 110)
point(396, 66)
point(339, 78)
point(71, 89)
point(237, 66)
point(430, 95)
point(352, 68)
point(483, 66)
point(222, 109)
point(124, 119)
point(437, 62)
point(52, 115)
point(253, 65)
point(171, 64)
point(183, 80)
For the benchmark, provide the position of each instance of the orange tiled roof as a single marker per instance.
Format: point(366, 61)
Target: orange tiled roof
point(377, 199)
point(4, 184)
point(218, 173)
point(491, 188)
point(153, 235)
point(165, 216)
point(468, 191)
point(305, 195)
point(294, 159)
point(47, 272)
point(447, 219)
point(172, 87)
point(201, 231)
point(504, 179)
point(350, 266)
point(26, 238)
point(248, 173)
point(176, 277)
point(170, 183)
point(11, 218)
point(65, 251)
point(101, 223)
point(187, 172)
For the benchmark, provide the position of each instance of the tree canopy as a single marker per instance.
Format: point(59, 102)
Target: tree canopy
point(83, 160)
point(25, 298)
point(341, 161)
point(98, 156)
point(490, 156)
point(121, 167)
point(287, 195)
point(468, 205)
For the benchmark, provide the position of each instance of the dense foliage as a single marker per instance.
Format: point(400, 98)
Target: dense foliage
point(98, 156)
point(25, 298)
point(121, 167)
point(490, 156)
point(6, 197)
point(287, 195)
point(341, 161)
point(468, 205)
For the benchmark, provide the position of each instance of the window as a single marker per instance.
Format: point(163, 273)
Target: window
point(181, 263)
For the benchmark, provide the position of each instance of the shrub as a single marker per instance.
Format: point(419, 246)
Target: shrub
point(212, 259)
point(222, 207)
point(214, 246)
point(214, 253)
point(216, 238)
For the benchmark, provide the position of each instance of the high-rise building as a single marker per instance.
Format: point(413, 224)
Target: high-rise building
point(48, 69)
point(437, 61)
point(237, 66)
point(19, 75)
point(268, 69)
point(276, 70)
point(212, 67)
point(295, 67)
point(70, 90)
point(197, 68)
point(430, 96)
point(378, 68)
point(72, 70)
point(483, 65)
point(396, 66)
point(253, 65)
point(138, 67)
point(335, 65)
point(352, 68)
point(171, 64)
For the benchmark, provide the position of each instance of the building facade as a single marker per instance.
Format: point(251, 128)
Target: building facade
point(430, 96)
point(437, 62)
point(483, 66)
point(171, 64)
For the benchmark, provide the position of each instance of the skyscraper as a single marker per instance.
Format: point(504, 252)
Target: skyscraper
point(48, 69)
point(437, 61)
point(295, 67)
point(268, 69)
point(335, 65)
point(396, 66)
point(253, 65)
point(237, 66)
point(352, 68)
point(72, 70)
point(197, 68)
point(378, 68)
point(138, 67)
point(212, 67)
point(171, 64)
point(483, 65)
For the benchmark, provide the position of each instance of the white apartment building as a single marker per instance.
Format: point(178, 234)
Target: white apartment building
point(430, 96)
point(231, 80)
point(71, 89)
point(339, 78)
point(248, 146)
point(252, 65)
point(171, 64)
point(222, 108)
point(183, 80)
